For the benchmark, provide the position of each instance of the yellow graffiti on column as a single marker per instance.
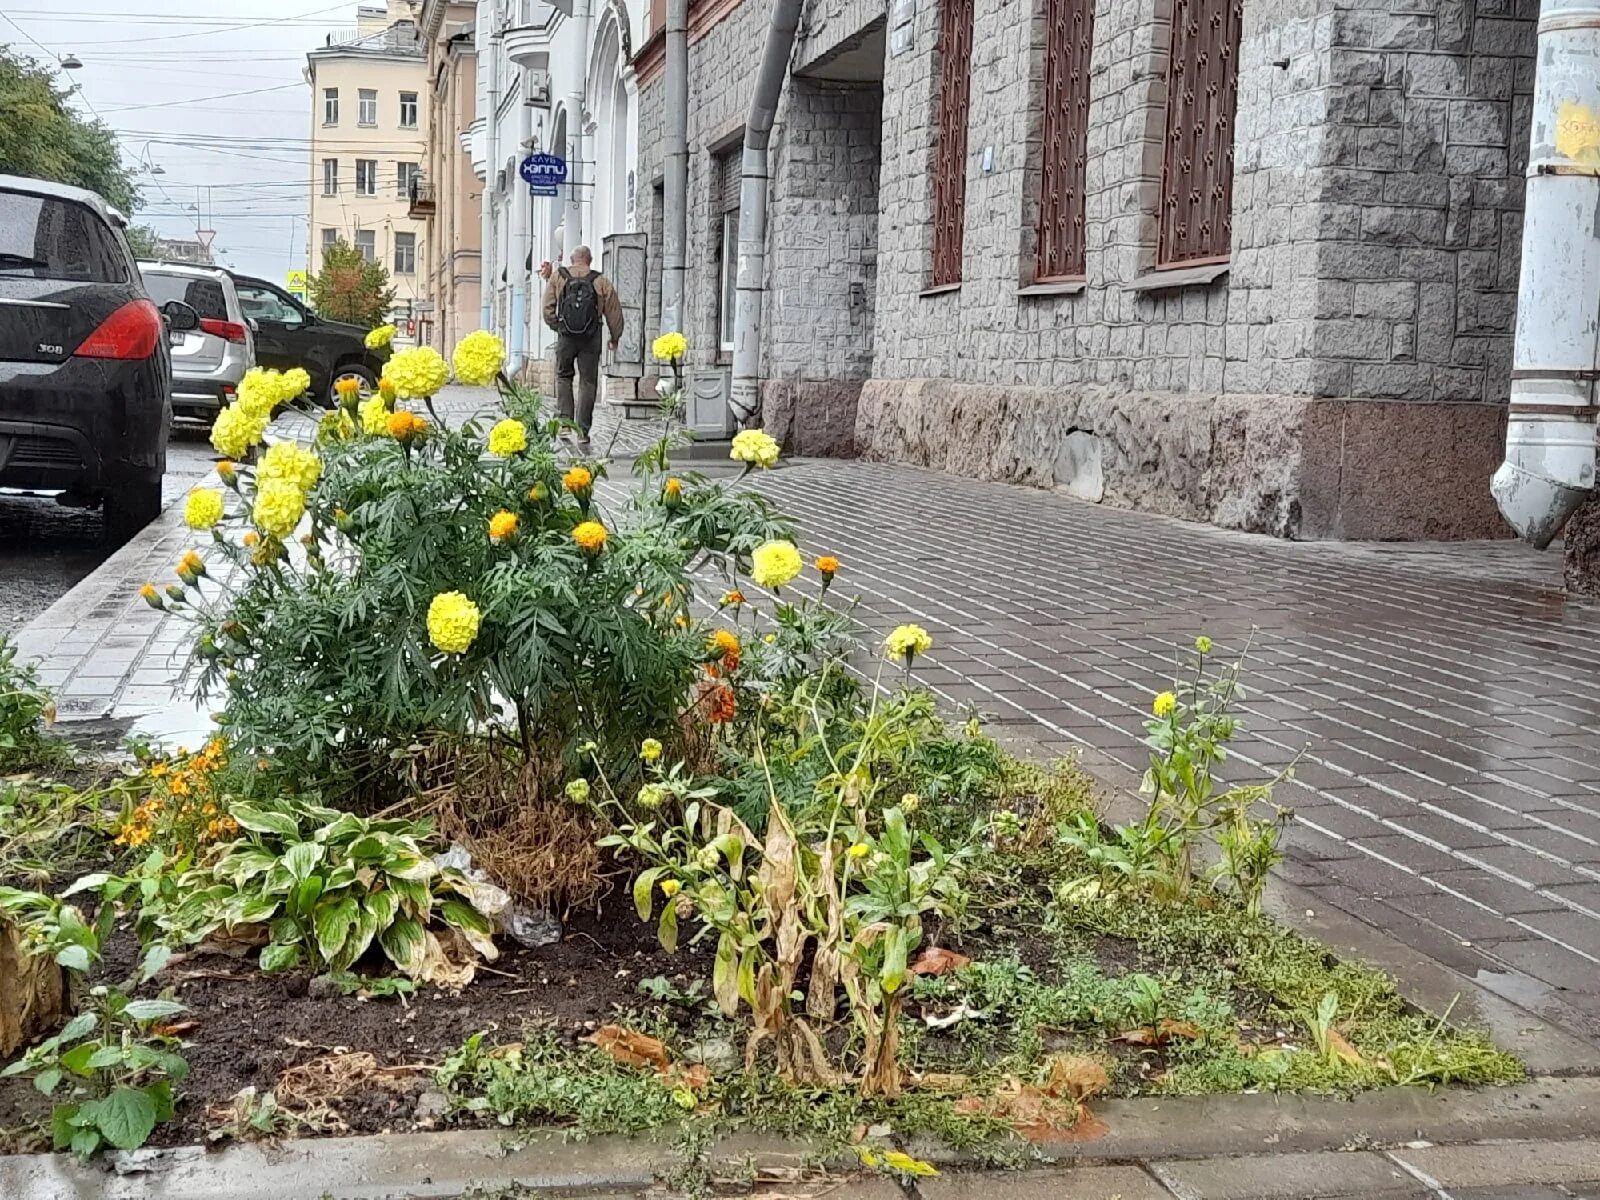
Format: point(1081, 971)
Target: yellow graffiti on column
point(1578, 132)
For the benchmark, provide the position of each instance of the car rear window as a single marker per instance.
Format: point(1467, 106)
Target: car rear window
point(205, 296)
point(47, 238)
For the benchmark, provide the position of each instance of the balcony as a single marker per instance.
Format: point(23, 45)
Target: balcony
point(529, 45)
point(423, 203)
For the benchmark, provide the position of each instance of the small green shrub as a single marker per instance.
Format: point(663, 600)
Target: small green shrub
point(25, 707)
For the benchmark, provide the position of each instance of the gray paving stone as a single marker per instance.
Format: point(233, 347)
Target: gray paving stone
point(1079, 1183)
point(1504, 1163)
point(1266, 1177)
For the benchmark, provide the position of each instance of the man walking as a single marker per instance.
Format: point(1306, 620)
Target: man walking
point(580, 305)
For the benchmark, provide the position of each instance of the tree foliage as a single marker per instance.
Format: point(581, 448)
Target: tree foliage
point(144, 241)
point(349, 288)
point(41, 137)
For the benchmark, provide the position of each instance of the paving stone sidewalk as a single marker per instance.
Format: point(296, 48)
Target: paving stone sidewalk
point(1443, 699)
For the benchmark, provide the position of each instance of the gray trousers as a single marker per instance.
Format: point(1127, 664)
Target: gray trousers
point(578, 357)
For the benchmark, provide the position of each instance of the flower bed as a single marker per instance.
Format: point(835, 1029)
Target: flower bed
point(475, 685)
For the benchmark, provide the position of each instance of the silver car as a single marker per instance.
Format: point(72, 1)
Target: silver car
point(208, 362)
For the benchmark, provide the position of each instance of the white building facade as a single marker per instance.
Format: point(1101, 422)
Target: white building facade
point(558, 82)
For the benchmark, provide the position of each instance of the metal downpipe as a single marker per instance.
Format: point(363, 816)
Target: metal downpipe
point(521, 237)
point(1549, 468)
point(488, 270)
point(745, 394)
point(675, 198)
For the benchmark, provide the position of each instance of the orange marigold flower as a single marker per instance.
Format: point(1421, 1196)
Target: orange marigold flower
point(403, 426)
point(502, 526)
point(252, 538)
point(348, 387)
point(827, 565)
point(726, 643)
point(590, 536)
point(578, 480)
point(674, 488)
point(732, 599)
point(724, 705)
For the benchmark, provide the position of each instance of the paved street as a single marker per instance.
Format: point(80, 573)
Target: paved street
point(45, 548)
point(1443, 697)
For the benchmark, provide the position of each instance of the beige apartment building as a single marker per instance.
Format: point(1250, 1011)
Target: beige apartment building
point(449, 197)
point(369, 138)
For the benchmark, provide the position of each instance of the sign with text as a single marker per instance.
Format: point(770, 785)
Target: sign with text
point(297, 284)
point(544, 173)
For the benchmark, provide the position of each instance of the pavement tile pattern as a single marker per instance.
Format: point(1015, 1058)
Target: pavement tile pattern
point(1442, 700)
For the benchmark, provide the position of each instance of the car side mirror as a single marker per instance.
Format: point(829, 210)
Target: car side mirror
point(180, 317)
point(253, 324)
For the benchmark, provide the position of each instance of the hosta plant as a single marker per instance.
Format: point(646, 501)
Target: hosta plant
point(327, 886)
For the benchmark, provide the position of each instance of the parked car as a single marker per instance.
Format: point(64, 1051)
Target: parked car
point(85, 376)
point(208, 362)
point(288, 335)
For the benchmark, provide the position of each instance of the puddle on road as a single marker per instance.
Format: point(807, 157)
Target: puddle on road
point(1516, 987)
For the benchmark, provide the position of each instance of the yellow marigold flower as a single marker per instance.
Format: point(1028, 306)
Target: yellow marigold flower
point(775, 564)
point(293, 384)
point(1203, 644)
point(726, 643)
point(418, 372)
point(279, 507)
point(828, 565)
point(670, 888)
point(578, 480)
point(452, 622)
point(374, 416)
point(502, 526)
point(478, 358)
point(906, 642)
point(235, 431)
point(670, 347)
point(650, 750)
point(403, 426)
point(672, 490)
point(1164, 704)
point(756, 447)
point(386, 389)
point(258, 392)
point(152, 597)
point(348, 387)
point(289, 462)
point(203, 508)
point(860, 850)
point(508, 437)
point(380, 337)
point(590, 536)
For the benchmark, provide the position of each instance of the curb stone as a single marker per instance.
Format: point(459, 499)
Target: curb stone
point(1473, 1138)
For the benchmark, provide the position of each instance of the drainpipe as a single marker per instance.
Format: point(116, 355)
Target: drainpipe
point(575, 110)
point(1549, 467)
point(675, 200)
point(745, 394)
point(488, 270)
point(521, 236)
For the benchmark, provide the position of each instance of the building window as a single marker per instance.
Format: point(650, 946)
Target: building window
point(330, 177)
point(330, 239)
point(950, 150)
point(725, 233)
point(1197, 164)
point(1069, 34)
point(408, 110)
point(330, 106)
point(367, 243)
point(729, 268)
point(367, 106)
point(407, 174)
point(405, 254)
point(366, 177)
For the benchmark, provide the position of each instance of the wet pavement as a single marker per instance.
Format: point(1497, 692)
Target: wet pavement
point(1442, 699)
point(46, 548)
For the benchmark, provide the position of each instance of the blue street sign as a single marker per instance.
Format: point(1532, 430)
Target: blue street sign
point(544, 173)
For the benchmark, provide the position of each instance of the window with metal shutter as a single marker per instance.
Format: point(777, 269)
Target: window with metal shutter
point(950, 151)
point(1069, 39)
point(1197, 165)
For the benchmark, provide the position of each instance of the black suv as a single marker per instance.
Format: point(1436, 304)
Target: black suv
point(85, 375)
point(289, 335)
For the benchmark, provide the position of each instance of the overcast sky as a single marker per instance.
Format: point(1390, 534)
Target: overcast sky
point(163, 75)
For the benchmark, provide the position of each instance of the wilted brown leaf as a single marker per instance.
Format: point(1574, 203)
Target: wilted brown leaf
point(1029, 1110)
point(1076, 1076)
point(933, 1081)
point(1341, 1047)
point(936, 960)
point(630, 1048)
point(1164, 1030)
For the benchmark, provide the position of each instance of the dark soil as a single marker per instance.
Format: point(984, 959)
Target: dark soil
point(250, 1028)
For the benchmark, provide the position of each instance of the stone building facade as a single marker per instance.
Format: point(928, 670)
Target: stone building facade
point(1339, 369)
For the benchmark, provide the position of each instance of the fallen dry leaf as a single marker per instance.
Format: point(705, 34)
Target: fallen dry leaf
point(630, 1048)
point(695, 1077)
point(1076, 1076)
point(1027, 1109)
point(938, 961)
point(933, 1081)
point(176, 1028)
point(1341, 1047)
point(1164, 1030)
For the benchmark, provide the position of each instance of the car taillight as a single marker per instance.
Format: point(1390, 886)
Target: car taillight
point(130, 332)
point(228, 330)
